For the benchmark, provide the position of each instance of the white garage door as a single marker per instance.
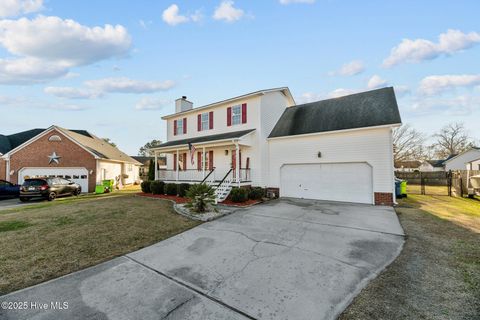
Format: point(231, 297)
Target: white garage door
point(348, 182)
point(78, 175)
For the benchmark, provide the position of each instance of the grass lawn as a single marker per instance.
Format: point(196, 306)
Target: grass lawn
point(437, 275)
point(51, 239)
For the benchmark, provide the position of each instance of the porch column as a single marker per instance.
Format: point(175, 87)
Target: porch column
point(237, 162)
point(156, 165)
point(176, 165)
point(203, 163)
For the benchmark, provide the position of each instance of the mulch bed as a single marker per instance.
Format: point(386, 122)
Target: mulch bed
point(162, 196)
point(185, 200)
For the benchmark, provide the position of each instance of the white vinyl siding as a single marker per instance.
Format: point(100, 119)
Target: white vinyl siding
point(372, 146)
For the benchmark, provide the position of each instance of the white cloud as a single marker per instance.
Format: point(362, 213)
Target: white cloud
point(457, 106)
point(420, 49)
point(350, 69)
point(296, 1)
point(376, 82)
point(73, 93)
point(29, 70)
point(401, 90)
point(45, 48)
point(127, 85)
point(227, 12)
point(147, 103)
point(10, 8)
point(340, 92)
point(172, 17)
point(309, 97)
point(438, 83)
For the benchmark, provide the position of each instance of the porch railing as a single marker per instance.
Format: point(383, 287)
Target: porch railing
point(194, 175)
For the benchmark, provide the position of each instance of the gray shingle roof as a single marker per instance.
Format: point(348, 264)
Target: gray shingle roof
point(366, 109)
point(213, 137)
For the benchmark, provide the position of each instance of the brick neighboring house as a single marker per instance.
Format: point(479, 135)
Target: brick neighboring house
point(76, 155)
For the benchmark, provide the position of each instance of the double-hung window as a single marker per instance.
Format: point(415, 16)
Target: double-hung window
point(179, 127)
point(236, 114)
point(205, 121)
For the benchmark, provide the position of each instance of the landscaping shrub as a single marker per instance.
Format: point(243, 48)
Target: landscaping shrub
point(171, 189)
point(201, 197)
point(256, 193)
point(146, 186)
point(157, 187)
point(182, 189)
point(239, 195)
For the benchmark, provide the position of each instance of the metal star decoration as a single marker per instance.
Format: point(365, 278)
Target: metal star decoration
point(53, 158)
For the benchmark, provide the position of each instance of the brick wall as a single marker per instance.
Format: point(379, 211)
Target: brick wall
point(36, 155)
point(2, 169)
point(383, 198)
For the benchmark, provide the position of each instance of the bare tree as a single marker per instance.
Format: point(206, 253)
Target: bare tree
point(452, 139)
point(408, 144)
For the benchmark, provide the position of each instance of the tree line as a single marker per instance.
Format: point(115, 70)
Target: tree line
point(411, 144)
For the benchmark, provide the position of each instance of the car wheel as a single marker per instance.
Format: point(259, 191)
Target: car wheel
point(23, 199)
point(76, 192)
point(52, 196)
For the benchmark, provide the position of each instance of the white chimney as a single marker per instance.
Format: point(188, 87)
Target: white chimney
point(183, 104)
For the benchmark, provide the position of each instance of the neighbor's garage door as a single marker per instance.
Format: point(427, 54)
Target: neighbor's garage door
point(78, 175)
point(349, 182)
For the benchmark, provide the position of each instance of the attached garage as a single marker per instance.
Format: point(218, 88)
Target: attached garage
point(77, 175)
point(349, 182)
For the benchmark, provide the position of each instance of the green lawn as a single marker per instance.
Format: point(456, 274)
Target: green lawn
point(437, 275)
point(52, 239)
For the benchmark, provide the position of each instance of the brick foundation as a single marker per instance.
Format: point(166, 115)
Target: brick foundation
point(383, 199)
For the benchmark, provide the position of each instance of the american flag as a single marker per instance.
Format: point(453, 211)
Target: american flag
point(192, 149)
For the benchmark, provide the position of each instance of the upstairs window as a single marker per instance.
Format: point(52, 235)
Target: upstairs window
point(180, 126)
point(205, 121)
point(236, 114)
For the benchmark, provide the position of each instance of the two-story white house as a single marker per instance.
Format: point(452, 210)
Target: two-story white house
point(337, 149)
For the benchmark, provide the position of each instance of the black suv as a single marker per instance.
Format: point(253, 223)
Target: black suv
point(48, 188)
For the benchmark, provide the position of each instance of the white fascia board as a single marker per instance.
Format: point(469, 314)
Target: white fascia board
point(336, 131)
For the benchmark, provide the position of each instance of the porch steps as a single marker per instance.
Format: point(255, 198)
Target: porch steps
point(223, 189)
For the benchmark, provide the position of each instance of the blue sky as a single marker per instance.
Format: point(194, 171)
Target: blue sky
point(115, 67)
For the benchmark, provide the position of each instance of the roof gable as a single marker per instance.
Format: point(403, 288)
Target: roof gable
point(367, 109)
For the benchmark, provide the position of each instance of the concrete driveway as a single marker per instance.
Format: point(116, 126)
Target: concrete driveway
point(287, 259)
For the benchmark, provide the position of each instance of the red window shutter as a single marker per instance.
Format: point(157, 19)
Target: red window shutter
point(174, 127)
point(184, 161)
point(229, 116)
point(244, 113)
point(175, 162)
point(210, 160)
point(199, 122)
point(184, 125)
point(199, 161)
point(210, 120)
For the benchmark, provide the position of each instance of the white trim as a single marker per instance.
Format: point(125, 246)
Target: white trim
point(248, 95)
point(181, 146)
point(336, 131)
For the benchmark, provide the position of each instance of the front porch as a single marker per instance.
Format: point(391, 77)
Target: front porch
point(212, 162)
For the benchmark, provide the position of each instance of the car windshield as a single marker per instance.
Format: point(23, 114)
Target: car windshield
point(34, 182)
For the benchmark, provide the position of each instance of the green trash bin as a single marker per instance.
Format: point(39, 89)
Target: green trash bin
point(99, 189)
point(403, 188)
point(108, 184)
